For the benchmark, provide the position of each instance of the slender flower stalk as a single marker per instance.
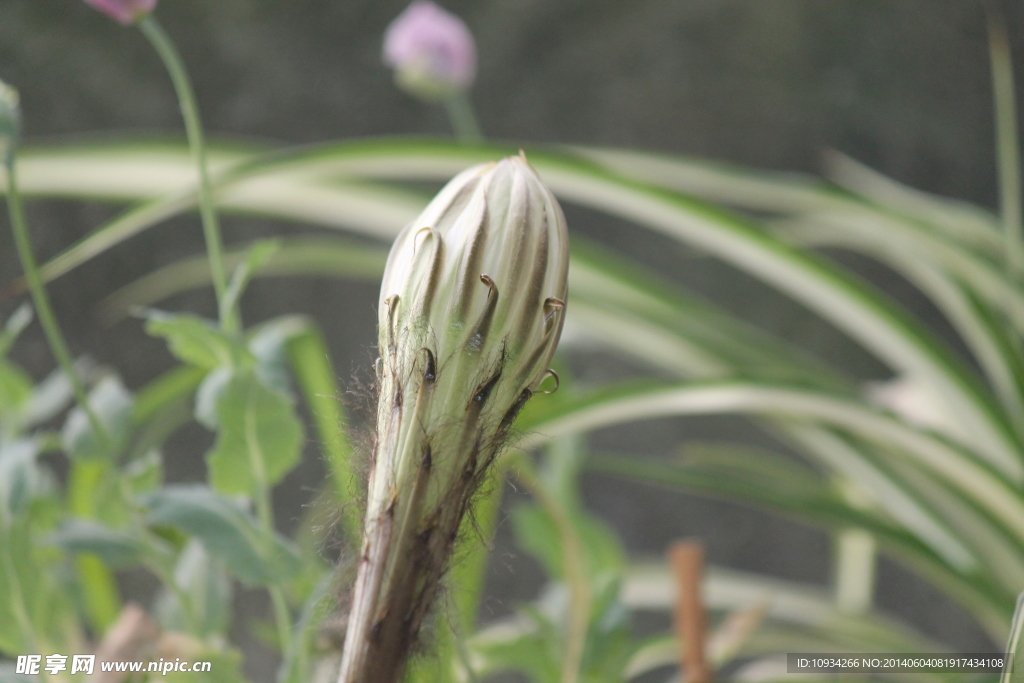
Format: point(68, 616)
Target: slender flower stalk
point(193, 128)
point(9, 133)
point(471, 309)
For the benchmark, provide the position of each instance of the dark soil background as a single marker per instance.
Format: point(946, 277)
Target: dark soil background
point(902, 85)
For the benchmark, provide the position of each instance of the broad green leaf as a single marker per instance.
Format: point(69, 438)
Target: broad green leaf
point(196, 341)
point(259, 437)
point(203, 582)
point(8, 675)
point(226, 530)
point(15, 390)
point(269, 345)
point(168, 389)
point(208, 396)
point(528, 642)
point(538, 534)
point(144, 474)
point(116, 548)
point(113, 406)
point(51, 396)
point(14, 326)
point(15, 384)
point(22, 592)
point(20, 478)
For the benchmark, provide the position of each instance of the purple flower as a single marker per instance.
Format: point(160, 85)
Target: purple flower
point(124, 11)
point(431, 51)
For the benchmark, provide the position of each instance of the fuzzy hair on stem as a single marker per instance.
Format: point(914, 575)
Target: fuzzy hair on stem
point(471, 308)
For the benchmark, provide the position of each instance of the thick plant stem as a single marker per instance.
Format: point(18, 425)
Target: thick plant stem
point(42, 302)
point(194, 129)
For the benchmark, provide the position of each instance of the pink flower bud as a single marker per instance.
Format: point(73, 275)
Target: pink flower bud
point(431, 50)
point(124, 11)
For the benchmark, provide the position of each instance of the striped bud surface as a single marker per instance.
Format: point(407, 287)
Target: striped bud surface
point(471, 308)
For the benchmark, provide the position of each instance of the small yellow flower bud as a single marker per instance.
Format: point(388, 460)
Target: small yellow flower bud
point(471, 308)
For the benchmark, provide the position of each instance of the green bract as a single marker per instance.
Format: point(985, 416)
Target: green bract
point(471, 308)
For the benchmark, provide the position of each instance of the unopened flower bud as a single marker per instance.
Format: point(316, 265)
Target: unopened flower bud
point(431, 51)
point(10, 120)
point(124, 11)
point(471, 309)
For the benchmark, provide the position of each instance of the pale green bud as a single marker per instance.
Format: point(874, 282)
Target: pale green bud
point(471, 308)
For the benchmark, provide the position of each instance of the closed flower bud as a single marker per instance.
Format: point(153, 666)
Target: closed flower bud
point(471, 308)
point(124, 11)
point(431, 51)
point(10, 120)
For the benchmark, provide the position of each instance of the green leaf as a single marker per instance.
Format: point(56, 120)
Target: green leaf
point(51, 396)
point(537, 534)
point(22, 594)
point(208, 396)
point(144, 474)
point(15, 389)
point(528, 642)
point(8, 675)
point(20, 478)
point(203, 582)
point(116, 548)
point(14, 326)
point(168, 389)
point(226, 530)
point(259, 437)
point(196, 341)
point(113, 406)
point(269, 345)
